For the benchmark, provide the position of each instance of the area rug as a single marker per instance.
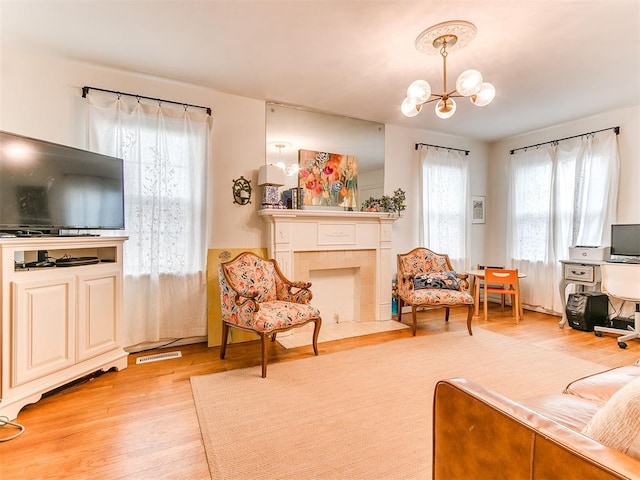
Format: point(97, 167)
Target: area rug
point(363, 413)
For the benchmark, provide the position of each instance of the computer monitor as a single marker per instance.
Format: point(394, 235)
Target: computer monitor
point(625, 240)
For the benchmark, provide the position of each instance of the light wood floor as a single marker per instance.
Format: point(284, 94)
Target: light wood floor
point(140, 423)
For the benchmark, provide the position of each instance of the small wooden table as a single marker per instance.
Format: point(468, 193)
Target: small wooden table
point(478, 276)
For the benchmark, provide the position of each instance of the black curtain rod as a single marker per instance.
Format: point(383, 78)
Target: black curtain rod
point(85, 92)
point(418, 145)
point(616, 129)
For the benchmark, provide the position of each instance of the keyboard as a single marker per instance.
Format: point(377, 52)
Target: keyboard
point(75, 261)
point(624, 260)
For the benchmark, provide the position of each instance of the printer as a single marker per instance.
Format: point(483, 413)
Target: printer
point(592, 254)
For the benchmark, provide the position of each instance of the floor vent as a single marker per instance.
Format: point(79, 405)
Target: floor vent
point(157, 357)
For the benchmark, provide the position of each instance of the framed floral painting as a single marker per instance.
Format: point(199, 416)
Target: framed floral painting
point(328, 179)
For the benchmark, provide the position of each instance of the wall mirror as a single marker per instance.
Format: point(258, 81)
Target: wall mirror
point(290, 128)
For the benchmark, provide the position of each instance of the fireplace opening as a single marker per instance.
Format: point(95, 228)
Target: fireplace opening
point(339, 277)
point(336, 293)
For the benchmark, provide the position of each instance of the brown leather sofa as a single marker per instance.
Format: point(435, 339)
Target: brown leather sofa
point(479, 434)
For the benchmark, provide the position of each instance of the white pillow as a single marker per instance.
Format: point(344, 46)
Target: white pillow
point(617, 423)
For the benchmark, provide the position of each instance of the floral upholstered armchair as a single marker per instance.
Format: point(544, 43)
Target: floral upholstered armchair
point(426, 279)
point(256, 296)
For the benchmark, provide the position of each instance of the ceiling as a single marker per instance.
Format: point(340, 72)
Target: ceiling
point(550, 61)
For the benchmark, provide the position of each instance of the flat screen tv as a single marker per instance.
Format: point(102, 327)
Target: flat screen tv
point(625, 240)
point(46, 187)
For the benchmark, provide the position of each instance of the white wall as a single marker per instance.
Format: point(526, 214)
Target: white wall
point(41, 96)
point(629, 147)
point(402, 170)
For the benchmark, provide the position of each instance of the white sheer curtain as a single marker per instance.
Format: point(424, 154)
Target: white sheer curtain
point(530, 224)
point(560, 195)
point(445, 203)
point(164, 148)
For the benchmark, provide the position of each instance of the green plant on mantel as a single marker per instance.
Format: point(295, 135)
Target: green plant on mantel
point(395, 204)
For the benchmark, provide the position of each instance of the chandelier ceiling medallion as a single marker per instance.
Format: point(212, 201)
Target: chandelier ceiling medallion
point(445, 38)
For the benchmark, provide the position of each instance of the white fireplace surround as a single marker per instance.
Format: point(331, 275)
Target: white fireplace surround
point(339, 239)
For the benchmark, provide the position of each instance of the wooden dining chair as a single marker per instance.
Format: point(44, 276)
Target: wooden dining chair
point(505, 282)
point(480, 284)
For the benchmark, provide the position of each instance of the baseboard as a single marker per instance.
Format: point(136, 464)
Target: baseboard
point(168, 342)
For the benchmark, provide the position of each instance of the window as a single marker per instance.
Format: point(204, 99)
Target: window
point(531, 191)
point(445, 202)
point(561, 195)
point(165, 169)
point(164, 201)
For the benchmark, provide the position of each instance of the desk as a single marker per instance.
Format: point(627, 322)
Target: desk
point(478, 275)
point(622, 282)
point(583, 273)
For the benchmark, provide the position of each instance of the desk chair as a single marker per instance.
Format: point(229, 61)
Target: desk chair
point(623, 282)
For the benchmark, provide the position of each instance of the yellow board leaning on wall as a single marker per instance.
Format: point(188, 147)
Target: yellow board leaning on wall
point(215, 256)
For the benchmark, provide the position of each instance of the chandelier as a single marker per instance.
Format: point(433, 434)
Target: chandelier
point(289, 170)
point(445, 38)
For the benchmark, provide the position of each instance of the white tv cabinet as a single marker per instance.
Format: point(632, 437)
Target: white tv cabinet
point(58, 323)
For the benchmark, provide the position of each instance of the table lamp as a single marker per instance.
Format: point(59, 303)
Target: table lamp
point(270, 177)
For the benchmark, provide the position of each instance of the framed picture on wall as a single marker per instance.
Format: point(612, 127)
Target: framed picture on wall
point(478, 209)
point(328, 180)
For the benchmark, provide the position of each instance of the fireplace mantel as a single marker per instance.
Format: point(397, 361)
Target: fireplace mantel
point(290, 231)
point(311, 213)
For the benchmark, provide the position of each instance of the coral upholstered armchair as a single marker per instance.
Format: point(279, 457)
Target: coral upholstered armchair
point(426, 279)
point(256, 296)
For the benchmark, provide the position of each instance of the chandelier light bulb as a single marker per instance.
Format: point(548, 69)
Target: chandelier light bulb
point(469, 83)
point(445, 108)
point(419, 91)
point(289, 170)
point(409, 108)
point(485, 95)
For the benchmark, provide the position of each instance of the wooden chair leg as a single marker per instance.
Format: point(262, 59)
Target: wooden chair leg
point(273, 337)
point(520, 306)
point(520, 309)
point(470, 317)
point(400, 305)
point(514, 307)
point(225, 336)
point(264, 339)
point(446, 314)
point(485, 305)
point(414, 325)
point(316, 332)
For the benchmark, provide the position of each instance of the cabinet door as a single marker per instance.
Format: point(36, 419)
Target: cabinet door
point(98, 313)
point(43, 321)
